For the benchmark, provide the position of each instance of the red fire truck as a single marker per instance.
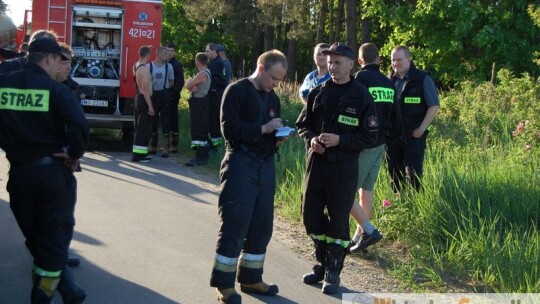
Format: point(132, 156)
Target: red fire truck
point(105, 36)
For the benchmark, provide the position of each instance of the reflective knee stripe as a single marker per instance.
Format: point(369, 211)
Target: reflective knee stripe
point(225, 264)
point(216, 141)
point(343, 243)
point(44, 273)
point(254, 261)
point(321, 237)
point(140, 149)
point(198, 143)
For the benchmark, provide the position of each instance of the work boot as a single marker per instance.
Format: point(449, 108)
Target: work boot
point(152, 145)
point(70, 292)
point(43, 289)
point(201, 157)
point(317, 274)
point(173, 146)
point(335, 256)
point(165, 151)
point(228, 296)
point(260, 288)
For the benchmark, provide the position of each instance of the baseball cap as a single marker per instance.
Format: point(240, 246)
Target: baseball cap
point(339, 48)
point(220, 48)
point(46, 45)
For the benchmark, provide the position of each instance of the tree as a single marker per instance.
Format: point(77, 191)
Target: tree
point(322, 21)
point(350, 24)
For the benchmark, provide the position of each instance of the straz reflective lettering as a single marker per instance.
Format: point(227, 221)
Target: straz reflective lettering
point(24, 100)
point(412, 99)
point(380, 94)
point(348, 120)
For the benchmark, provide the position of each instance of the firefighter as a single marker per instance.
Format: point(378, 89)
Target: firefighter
point(43, 137)
point(338, 120)
point(217, 68)
point(175, 96)
point(198, 110)
point(250, 114)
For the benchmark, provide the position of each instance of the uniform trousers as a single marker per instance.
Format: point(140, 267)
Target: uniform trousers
point(173, 106)
point(213, 113)
point(42, 199)
point(405, 162)
point(198, 112)
point(143, 126)
point(330, 185)
point(162, 108)
point(246, 211)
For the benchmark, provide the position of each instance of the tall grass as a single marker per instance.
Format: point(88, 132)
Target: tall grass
point(477, 218)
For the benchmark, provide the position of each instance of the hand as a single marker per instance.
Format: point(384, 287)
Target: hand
point(270, 126)
point(151, 111)
point(195, 89)
point(316, 146)
point(329, 139)
point(417, 133)
point(73, 164)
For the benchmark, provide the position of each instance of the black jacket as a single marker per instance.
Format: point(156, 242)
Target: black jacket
point(217, 69)
point(243, 111)
point(354, 120)
point(383, 93)
point(39, 117)
point(178, 78)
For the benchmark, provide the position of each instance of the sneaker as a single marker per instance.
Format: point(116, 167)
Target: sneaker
point(366, 241)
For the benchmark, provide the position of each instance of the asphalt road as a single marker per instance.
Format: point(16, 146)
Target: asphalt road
point(145, 233)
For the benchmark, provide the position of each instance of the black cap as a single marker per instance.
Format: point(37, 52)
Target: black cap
point(220, 48)
point(46, 45)
point(339, 48)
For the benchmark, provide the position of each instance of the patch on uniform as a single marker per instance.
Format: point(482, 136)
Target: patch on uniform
point(372, 121)
point(24, 100)
point(351, 121)
point(412, 100)
point(271, 113)
point(351, 111)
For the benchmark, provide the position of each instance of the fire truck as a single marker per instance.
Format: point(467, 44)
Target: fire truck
point(105, 36)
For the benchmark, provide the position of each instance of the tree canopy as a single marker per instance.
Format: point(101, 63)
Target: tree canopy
point(452, 39)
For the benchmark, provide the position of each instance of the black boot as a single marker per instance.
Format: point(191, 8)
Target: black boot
point(201, 157)
point(71, 293)
point(317, 274)
point(335, 255)
point(43, 289)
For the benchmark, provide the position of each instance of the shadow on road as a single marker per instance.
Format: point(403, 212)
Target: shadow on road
point(101, 286)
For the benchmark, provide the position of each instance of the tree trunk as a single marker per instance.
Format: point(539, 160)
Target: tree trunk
point(322, 21)
point(350, 24)
point(339, 20)
point(364, 26)
point(331, 17)
point(268, 37)
point(291, 59)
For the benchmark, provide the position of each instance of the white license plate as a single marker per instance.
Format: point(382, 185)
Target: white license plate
point(94, 103)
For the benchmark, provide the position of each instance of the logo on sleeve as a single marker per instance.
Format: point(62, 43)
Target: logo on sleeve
point(24, 100)
point(372, 121)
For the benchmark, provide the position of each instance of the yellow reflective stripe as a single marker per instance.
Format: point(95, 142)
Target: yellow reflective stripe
point(44, 273)
point(225, 264)
point(140, 149)
point(24, 100)
point(413, 100)
point(351, 121)
point(321, 237)
point(381, 94)
point(251, 264)
point(253, 261)
point(343, 243)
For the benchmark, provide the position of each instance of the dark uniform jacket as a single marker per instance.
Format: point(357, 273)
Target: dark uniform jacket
point(39, 117)
point(354, 120)
point(383, 93)
point(217, 69)
point(178, 78)
point(411, 107)
point(244, 110)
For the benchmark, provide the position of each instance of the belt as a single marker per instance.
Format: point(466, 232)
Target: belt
point(44, 161)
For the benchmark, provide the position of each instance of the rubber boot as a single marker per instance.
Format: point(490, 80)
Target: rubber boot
point(317, 274)
point(43, 289)
point(335, 256)
point(173, 146)
point(70, 292)
point(201, 156)
point(228, 296)
point(152, 145)
point(166, 142)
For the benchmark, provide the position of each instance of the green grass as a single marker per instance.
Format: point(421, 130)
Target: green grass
point(477, 219)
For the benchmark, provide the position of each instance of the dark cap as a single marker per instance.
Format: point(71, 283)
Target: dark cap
point(46, 45)
point(339, 48)
point(220, 48)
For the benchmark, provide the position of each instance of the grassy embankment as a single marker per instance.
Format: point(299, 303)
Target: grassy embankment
point(478, 217)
